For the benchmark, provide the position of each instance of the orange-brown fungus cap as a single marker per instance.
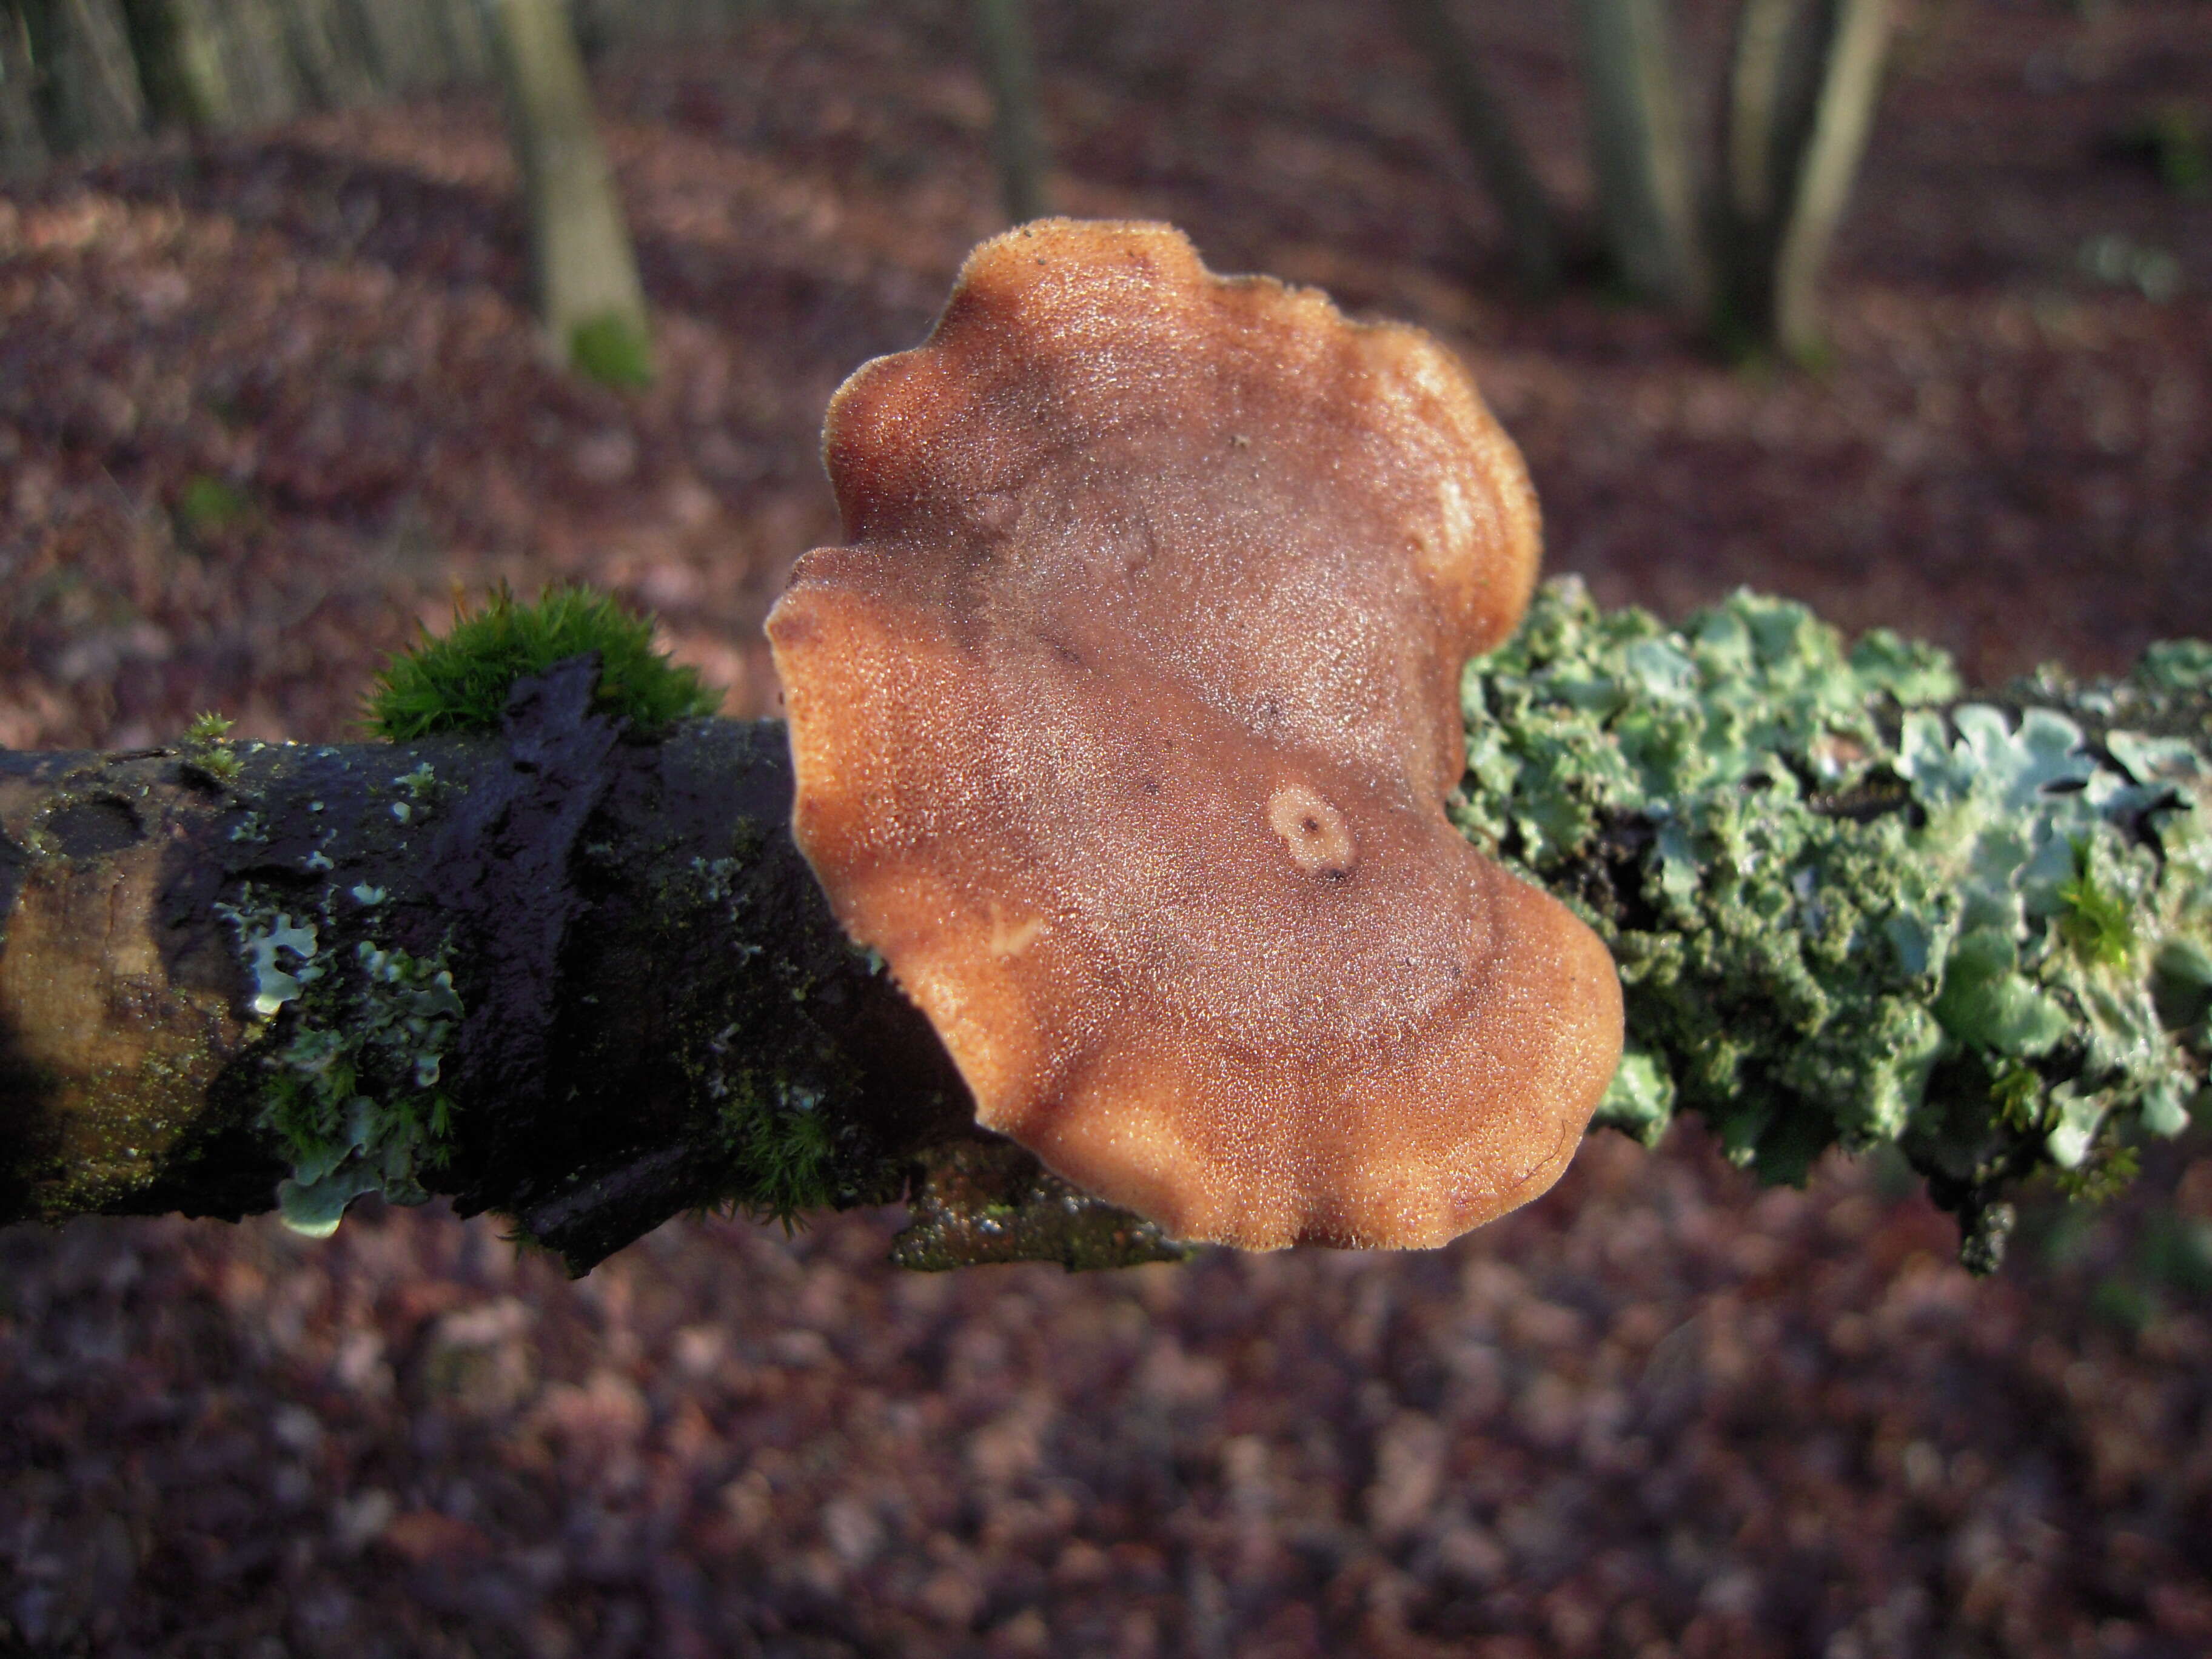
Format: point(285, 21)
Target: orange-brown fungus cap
point(1123, 729)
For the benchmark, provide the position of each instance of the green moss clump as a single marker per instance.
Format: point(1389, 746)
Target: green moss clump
point(460, 682)
point(786, 1151)
point(612, 348)
point(1847, 910)
point(207, 728)
point(775, 1083)
point(2095, 920)
point(784, 1158)
point(208, 753)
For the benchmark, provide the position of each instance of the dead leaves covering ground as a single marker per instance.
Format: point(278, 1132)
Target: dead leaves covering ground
point(264, 405)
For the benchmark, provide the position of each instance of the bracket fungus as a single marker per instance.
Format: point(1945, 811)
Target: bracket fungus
point(1123, 727)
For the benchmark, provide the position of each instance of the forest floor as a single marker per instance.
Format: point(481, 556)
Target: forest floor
point(267, 404)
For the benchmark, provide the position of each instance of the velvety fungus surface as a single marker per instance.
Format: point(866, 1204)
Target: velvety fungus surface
point(1124, 725)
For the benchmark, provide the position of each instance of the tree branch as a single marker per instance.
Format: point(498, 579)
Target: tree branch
point(585, 978)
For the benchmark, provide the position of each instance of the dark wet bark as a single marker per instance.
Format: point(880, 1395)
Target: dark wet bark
point(646, 971)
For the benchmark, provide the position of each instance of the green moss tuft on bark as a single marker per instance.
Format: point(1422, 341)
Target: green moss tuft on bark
point(460, 681)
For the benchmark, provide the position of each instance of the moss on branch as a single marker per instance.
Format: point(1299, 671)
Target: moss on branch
point(458, 681)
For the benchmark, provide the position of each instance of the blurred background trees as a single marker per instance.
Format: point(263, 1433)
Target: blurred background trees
point(1801, 92)
point(1479, 118)
point(1010, 64)
point(1739, 241)
point(269, 395)
point(79, 76)
point(82, 76)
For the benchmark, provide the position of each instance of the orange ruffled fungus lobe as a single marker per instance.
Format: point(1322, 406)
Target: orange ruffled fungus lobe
point(1123, 728)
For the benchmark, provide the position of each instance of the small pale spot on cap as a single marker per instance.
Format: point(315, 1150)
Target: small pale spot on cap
point(1314, 832)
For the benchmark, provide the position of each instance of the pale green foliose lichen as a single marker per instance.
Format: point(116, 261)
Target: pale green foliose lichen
point(1845, 911)
point(353, 1092)
point(268, 939)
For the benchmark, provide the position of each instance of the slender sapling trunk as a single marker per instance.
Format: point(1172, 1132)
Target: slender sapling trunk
point(1647, 188)
point(1018, 138)
point(589, 297)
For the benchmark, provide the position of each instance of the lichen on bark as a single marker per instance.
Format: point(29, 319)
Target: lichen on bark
point(1850, 909)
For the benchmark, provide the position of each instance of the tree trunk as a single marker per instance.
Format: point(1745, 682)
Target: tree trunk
point(264, 83)
point(1804, 84)
point(468, 40)
point(589, 298)
point(1484, 127)
point(1017, 138)
point(22, 140)
point(84, 84)
point(1769, 101)
point(328, 55)
point(1647, 189)
point(1850, 84)
point(1774, 75)
point(406, 46)
point(180, 64)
